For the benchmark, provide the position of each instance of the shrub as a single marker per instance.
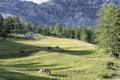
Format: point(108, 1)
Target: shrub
point(106, 75)
point(111, 65)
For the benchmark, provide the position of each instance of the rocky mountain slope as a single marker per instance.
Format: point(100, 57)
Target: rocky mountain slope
point(66, 12)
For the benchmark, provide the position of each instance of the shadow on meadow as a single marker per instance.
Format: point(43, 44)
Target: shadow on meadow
point(10, 75)
point(71, 52)
point(9, 49)
point(59, 75)
point(35, 67)
point(75, 47)
point(29, 66)
point(61, 68)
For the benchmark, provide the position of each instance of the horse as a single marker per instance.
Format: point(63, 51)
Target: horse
point(46, 70)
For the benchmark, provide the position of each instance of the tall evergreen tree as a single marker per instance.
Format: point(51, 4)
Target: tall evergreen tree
point(84, 35)
point(26, 27)
point(64, 33)
point(38, 30)
point(46, 30)
point(17, 25)
point(90, 33)
point(8, 24)
point(2, 30)
point(57, 29)
point(108, 27)
point(76, 33)
point(1, 22)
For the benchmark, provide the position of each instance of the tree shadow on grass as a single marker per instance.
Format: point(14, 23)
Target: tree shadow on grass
point(59, 75)
point(29, 66)
point(75, 47)
point(64, 51)
point(11, 49)
point(79, 52)
point(38, 67)
point(10, 75)
point(62, 68)
point(73, 52)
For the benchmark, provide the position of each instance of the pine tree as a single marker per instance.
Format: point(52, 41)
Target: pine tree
point(57, 29)
point(46, 30)
point(2, 30)
point(76, 33)
point(38, 30)
point(90, 33)
point(17, 25)
point(1, 22)
point(71, 33)
point(8, 24)
point(84, 35)
point(26, 27)
point(108, 28)
point(64, 33)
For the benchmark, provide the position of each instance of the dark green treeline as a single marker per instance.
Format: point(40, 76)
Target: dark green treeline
point(12, 25)
point(15, 26)
point(75, 32)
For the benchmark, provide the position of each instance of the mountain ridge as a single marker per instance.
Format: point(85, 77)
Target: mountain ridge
point(66, 12)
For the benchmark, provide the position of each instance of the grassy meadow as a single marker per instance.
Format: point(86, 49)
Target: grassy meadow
point(68, 59)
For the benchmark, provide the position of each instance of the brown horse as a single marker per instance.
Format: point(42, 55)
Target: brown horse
point(46, 70)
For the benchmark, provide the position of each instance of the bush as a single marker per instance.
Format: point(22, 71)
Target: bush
point(111, 65)
point(106, 75)
point(111, 70)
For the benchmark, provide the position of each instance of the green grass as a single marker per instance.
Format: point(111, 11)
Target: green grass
point(20, 59)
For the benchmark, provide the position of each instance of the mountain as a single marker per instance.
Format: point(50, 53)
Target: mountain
point(66, 12)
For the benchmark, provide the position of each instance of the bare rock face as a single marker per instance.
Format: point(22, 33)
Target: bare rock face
point(66, 12)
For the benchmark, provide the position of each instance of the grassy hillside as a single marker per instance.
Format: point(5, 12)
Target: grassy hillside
point(68, 59)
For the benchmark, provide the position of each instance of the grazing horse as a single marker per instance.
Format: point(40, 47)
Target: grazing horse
point(46, 70)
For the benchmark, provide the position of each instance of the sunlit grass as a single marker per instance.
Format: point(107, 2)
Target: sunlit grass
point(75, 60)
